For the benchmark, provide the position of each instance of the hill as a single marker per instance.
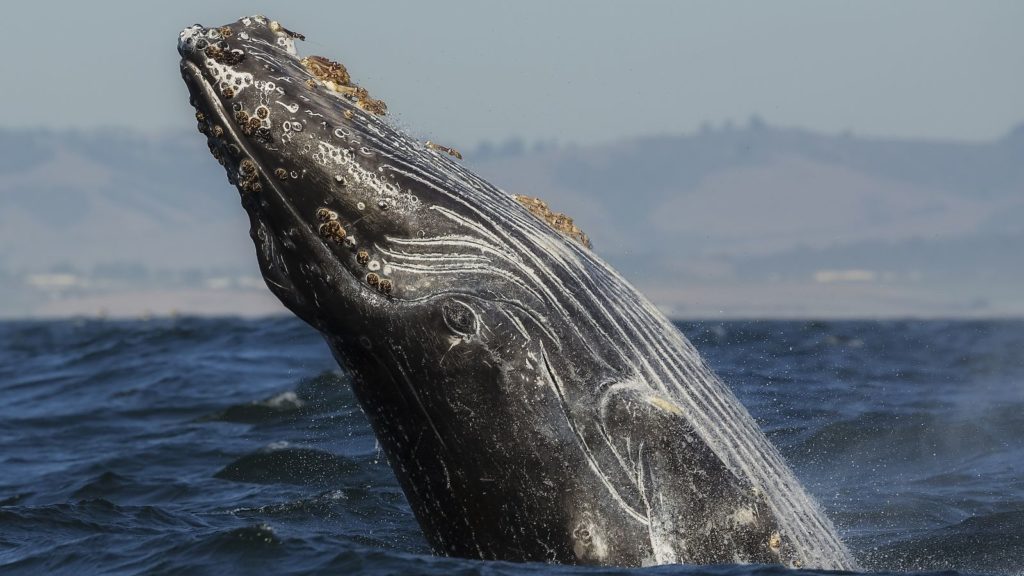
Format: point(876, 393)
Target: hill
point(752, 221)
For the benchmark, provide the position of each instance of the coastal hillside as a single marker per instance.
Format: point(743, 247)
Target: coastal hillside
point(728, 221)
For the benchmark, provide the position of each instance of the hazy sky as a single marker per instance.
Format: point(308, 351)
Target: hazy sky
point(576, 71)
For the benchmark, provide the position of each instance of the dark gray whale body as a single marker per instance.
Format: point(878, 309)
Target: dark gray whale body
point(533, 405)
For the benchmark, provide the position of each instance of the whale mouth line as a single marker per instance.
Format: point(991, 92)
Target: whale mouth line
point(216, 108)
point(231, 135)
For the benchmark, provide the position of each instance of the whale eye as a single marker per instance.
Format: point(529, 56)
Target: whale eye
point(460, 317)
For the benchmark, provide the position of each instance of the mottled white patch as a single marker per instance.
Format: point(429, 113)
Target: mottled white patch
point(288, 43)
point(743, 516)
point(224, 76)
point(589, 543)
point(187, 38)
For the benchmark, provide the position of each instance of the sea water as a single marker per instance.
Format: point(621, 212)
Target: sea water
point(226, 446)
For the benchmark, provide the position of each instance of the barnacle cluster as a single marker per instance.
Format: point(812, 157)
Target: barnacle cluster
point(334, 76)
point(556, 220)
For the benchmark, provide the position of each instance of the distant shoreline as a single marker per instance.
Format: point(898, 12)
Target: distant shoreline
point(690, 304)
point(754, 221)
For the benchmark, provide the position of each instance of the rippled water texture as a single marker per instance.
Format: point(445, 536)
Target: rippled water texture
point(230, 447)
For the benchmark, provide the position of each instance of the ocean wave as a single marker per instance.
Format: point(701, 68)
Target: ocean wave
point(288, 465)
point(235, 446)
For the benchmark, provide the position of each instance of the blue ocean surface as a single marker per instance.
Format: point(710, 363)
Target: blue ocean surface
point(225, 446)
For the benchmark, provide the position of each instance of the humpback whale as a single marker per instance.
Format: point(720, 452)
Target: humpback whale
point(533, 405)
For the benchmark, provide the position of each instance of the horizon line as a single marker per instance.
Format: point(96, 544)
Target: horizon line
point(752, 123)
